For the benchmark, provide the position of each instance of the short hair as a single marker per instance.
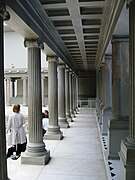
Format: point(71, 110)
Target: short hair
point(46, 111)
point(16, 108)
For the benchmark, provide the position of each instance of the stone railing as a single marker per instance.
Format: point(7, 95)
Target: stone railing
point(90, 103)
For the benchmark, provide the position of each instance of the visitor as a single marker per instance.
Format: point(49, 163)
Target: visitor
point(16, 133)
point(45, 122)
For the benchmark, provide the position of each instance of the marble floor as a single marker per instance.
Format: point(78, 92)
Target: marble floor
point(78, 156)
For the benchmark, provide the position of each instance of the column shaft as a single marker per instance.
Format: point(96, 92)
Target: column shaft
point(36, 146)
point(107, 111)
point(74, 93)
point(54, 129)
point(71, 94)
point(77, 93)
point(118, 124)
point(43, 91)
point(8, 99)
point(24, 91)
point(13, 87)
point(67, 96)
point(61, 97)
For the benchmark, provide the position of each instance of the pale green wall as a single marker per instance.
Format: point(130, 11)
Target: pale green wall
point(87, 87)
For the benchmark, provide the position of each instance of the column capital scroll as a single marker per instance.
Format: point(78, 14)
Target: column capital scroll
point(52, 58)
point(61, 65)
point(31, 43)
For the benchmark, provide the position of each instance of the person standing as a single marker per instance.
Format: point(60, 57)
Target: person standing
point(17, 136)
point(45, 122)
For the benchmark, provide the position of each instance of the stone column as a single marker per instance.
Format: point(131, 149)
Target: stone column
point(77, 94)
point(35, 152)
point(101, 90)
point(13, 87)
point(8, 99)
point(107, 111)
point(71, 95)
point(3, 162)
point(53, 132)
point(74, 79)
point(43, 91)
point(97, 95)
point(61, 97)
point(127, 153)
point(73, 91)
point(25, 91)
point(67, 95)
point(118, 124)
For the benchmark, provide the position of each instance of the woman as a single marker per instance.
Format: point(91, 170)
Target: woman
point(17, 136)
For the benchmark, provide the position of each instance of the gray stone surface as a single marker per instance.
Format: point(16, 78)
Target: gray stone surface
point(67, 95)
point(120, 94)
point(35, 146)
point(53, 129)
point(78, 156)
point(38, 160)
point(127, 152)
point(63, 123)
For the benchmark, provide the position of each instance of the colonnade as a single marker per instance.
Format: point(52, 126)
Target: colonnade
point(61, 109)
point(17, 87)
point(116, 99)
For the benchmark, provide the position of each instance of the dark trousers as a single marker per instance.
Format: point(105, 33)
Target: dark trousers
point(20, 148)
point(43, 131)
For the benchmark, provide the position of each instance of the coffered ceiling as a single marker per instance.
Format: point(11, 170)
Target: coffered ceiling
point(77, 31)
point(78, 23)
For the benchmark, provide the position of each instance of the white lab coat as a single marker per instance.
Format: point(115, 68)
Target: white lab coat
point(17, 133)
point(45, 123)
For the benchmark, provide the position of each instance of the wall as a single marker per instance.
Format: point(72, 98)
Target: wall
point(15, 54)
point(14, 51)
point(87, 87)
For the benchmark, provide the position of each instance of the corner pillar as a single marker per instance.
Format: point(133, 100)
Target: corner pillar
point(127, 152)
point(118, 123)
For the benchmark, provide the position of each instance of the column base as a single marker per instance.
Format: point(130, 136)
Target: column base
point(69, 118)
point(127, 161)
point(63, 123)
point(53, 133)
point(77, 109)
point(53, 136)
point(33, 160)
point(72, 115)
point(118, 130)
